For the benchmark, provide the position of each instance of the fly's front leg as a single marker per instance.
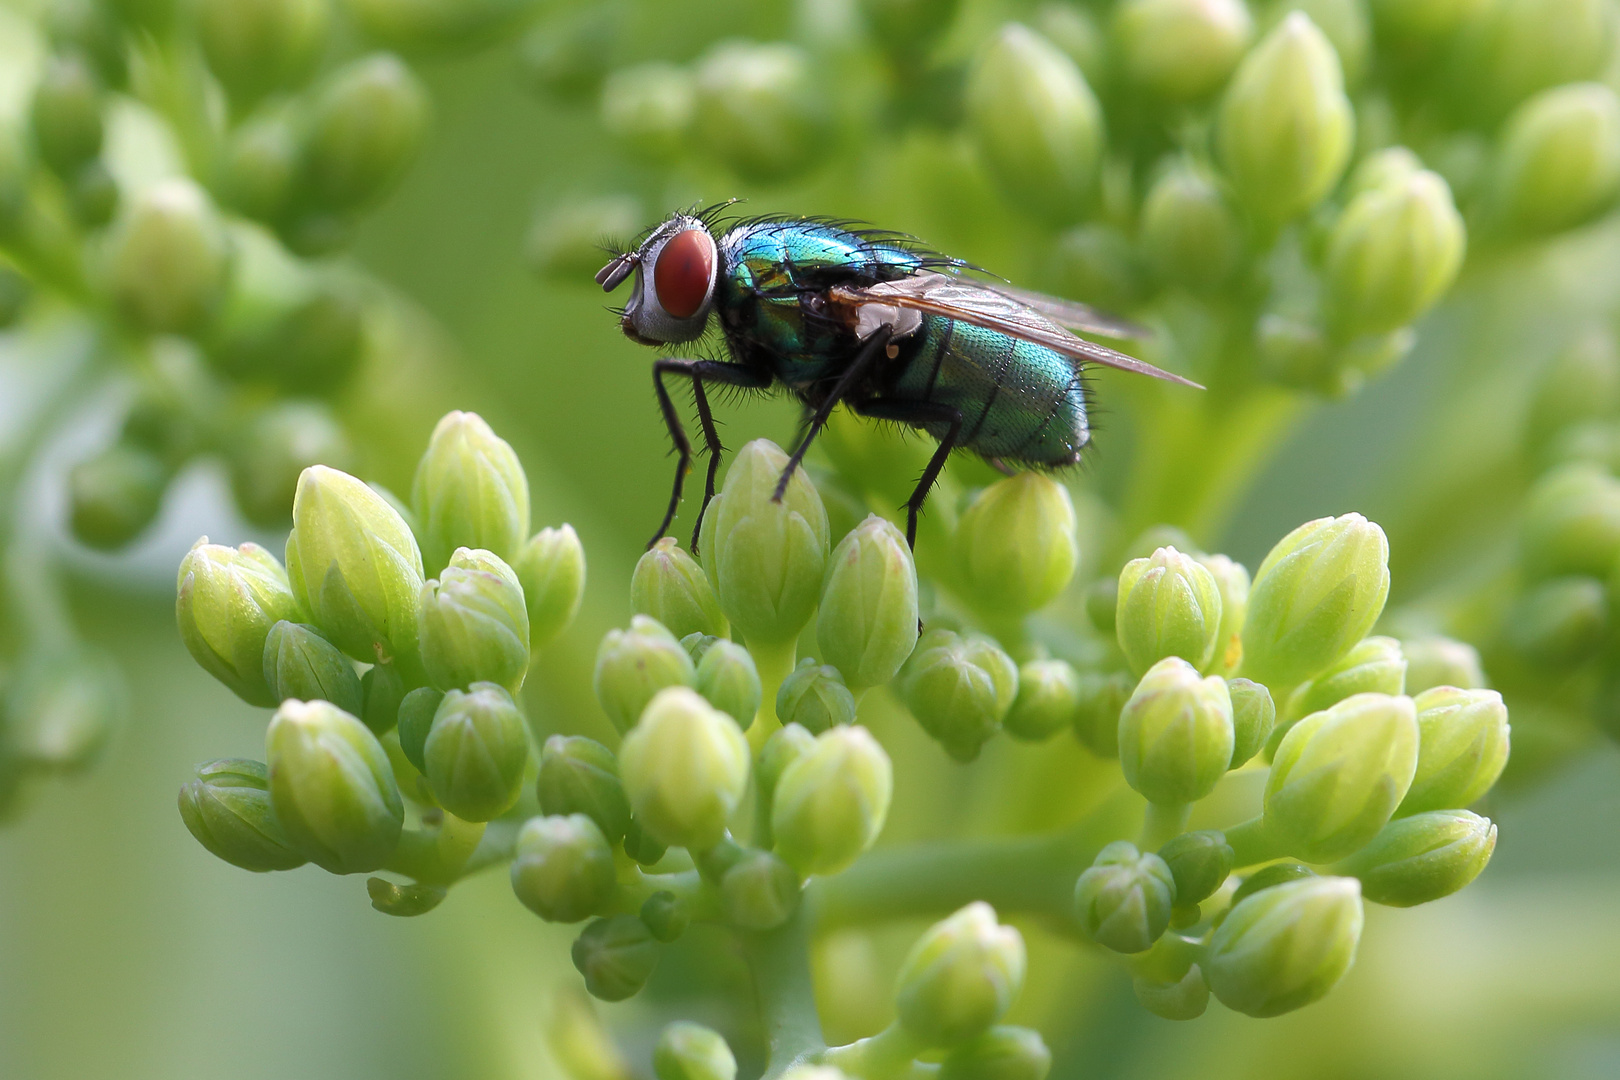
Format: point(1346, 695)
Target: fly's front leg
point(872, 349)
point(711, 440)
point(918, 414)
point(698, 371)
point(677, 435)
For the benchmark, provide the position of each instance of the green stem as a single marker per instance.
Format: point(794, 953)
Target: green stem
point(1162, 824)
point(780, 962)
point(1252, 843)
point(888, 1055)
point(774, 660)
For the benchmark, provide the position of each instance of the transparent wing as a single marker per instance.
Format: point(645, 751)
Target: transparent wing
point(936, 294)
point(1073, 314)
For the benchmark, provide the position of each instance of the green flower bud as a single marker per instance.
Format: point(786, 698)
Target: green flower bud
point(1002, 1053)
point(616, 956)
point(332, 788)
point(167, 259)
point(830, 802)
point(759, 891)
point(476, 751)
point(1338, 775)
point(1102, 600)
point(1232, 581)
point(259, 164)
point(727, 677)
point(67, 114)
point(1316, 594)
point(1199, 862)
point(1515, 47)
point(1571, 523)
point(666, 915)
point(908, 27)
point(1123, 899)
point(1037, 125)
point(668, 585)
point(1074, 30)
point(256, 46)
point(1048, 695)
point(60, 711)
point(814, 697)
point(766, 559)
point(404, 901)
point(1580, 382)
point(1285, 126)
point(299, 663)
point(1559, 162)
point(1422, 858)
point(642, 846)
point(1254, 715)
point(1393, 252)
point(1188, 232)
point(1560, 623)
point(782, 749)
point(267, 460)
point(563, 870)
point(227, 808)
point(1433, 661)
point(1016, 544)
point(1185, 999)
point(1424, 20)
point(1464, 743)
point(632, 665)
point(960, 977)
point(354, 566)
point(1270, 877)
point(469, 491)
point(472, 623)
point(1096, 717)
point(581, 776)
point(759, 111)
point(365, 129)
point(688, 1051)
point(651, 108)
point(1098, 262)
point(1176, 733)
point(867, 624)
point(226, 601)
point(416, 712)
point(959, 689)
point(381, 691)
point(566, 55)
point(1346, 26)
point(1169, 605)
point(1374, 666)
point(685, 768)
point(1285, 947)
point(1181, 49)
point(551, 569)
point(115, 495)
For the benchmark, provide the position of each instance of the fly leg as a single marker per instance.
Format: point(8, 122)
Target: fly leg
point(697, 371)
point(918, 414)
point(872, 350)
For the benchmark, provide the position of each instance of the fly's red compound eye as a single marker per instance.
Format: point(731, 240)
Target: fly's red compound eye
point(682, 274)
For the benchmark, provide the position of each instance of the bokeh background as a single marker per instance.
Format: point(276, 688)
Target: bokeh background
point(127, 951)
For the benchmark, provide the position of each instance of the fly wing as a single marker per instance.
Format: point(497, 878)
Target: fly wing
point(936, 294)
point(1073, 314)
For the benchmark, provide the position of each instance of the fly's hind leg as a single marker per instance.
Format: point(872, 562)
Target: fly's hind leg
point(872, 349)
point(918, 414)
point(697, 371)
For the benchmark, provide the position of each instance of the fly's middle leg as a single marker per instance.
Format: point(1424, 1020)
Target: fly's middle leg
point(918, 414)
point(872, 350)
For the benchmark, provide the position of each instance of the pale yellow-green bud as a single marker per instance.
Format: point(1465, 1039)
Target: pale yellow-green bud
point(168, 257)
point(469, 492)
point(1016, 544)
point(1559, 162)
point(685, 768)
point(1392, 254)
point(1181, 49)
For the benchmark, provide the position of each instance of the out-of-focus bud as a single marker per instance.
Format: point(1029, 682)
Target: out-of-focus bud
point(685, 768)
point(1048, 695)
point(759, 891)
point(1254, 715)
point(1232, 582)
point(1176, 733)
point(67, 114)
point(814, 697)
point(666, 915)
point(1514, 48)
point(1074, 30)
point(365, 128)
point(1102, 600)
point(565, 237)
point(551, 569)
point(581, 776)
point(1393, 252)
point(669, 585)
point(469, 492)
point(1096, 715)
point(1002, 1053)
point(1561, 622)
point(1374, 666)
point(1581, 382)
point(300, 663)
point(1097, 261)
point(1316, 594)
point(688, 1051)
point(1346, 26)
point(1559, 162)
point(1269, 877)
point(227, 600)
point(1185, 999)
point(1433, 661)
point(167, 258)
point(1188, 232)
point(267, 460)
point(960, 977)
point(830, 803)
point(1181, 49)
point(1338, 776)
point(642, 846)
point(472, 623)
point(563, 870)
point(61, 710)
point(1571, 523)
point(332, 787)
point(354, 566)
point(1123, 899)
point(381, 691)
point(1169, 605)
point(115, 495)
point(727, 677)
point(259, 164)
point(616, 956)
point(256, 46)
point(1463, 745)
point(1016, 545)
point(567, 54)
point(632, 665)
point(476, 751)
point(1424, 20)
point(782, 749)
point(758, 109)
point(1199, 863)
point(1285, 125)
point(1037, 125)
point(959, 689)
point(867, 624)
point(1285, 947)
point(1422, 858)
point(650, 108)
point(416, 712)
point(227, 808)
point(908, 27)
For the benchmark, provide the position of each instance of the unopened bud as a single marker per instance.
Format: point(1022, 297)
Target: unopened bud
point(830, 803)
point(1269, 877)
point(1123, 899)
point(758, 109)
point(1393, 252)
point(1285, 947)
point(666, 915)
point(685, 768)
point(782, 749)
point(59, 713)
point(259, 163)
point(1048, 695)
point(563, 868)
point(1184, 999)
point(416, 712)
point(366, 127)
point(381, 691)
point(227, 808)
point(469, 492)
point(1181, 49)
point(1424, 20)
point(167, 259)
point(867, 623)
point(1016, 544)
point(1560, 159)
point(814, 697)
point(268, 458)
point(1374, 666)
point(1199, 863)
point(332, 787)
point(632, 665)
point(616, 956)
point(256, 46)
point(959, 689)
point(1561, 622)
point(227, 600)
point(476, 751)
point(300, 663)
point(1463, 746)
point(642, 846)
point(960, 977)
point(669, 585)
point(581, 776)
point(759, 891)
point(67, 114)
point(472, 623)
point(1571, 523)
point(1433, 661)
point(1254, 715)
point(1232, 582)
point(551, 569)
point(1169, 605)
point(1176, 733)
point(650, 109)
point(688, 1051)
point(728, 679)
point(115, 495)
point(1188, 231)
point(1422, 858)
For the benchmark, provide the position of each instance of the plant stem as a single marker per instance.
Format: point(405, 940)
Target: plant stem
point(888, 1055)
point(774, 662)
point(1252, 843)
point(780, 962)
point(1162, 824)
